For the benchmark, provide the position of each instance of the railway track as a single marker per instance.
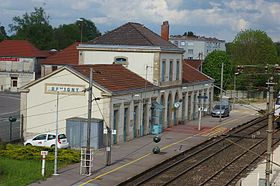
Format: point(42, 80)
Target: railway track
point(218, 161)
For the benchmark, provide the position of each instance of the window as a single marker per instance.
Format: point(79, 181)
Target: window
point(176, 43)
point(54, 68)
point(51, 137)
point(163, 67)
point(190, 51)
point(121, 60)
point(171, 71)
point(183, 43)
point(14, 81)
point(41, 137)
point(177, 69)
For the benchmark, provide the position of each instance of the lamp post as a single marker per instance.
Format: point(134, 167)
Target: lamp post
point(234, 87)
point(81, 20)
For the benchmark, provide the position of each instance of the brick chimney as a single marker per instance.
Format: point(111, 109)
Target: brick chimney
point(165, 30)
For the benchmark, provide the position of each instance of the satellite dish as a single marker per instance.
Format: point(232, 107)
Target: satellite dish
point(177, 105)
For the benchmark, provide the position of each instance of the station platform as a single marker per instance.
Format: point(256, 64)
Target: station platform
point(134, 157)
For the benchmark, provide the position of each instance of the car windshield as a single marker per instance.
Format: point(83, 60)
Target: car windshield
point(217, 107)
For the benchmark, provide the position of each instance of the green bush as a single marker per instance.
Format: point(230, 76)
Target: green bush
point(19, 152)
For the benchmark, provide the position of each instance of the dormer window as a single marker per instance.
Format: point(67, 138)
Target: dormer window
point(121, 60)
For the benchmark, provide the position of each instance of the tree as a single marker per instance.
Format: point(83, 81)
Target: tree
point(3, 34)
point(66, 34)
point(212, 67)
point(34, 27)
point(253, 47)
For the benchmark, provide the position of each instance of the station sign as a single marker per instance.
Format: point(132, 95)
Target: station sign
point(69, 89)
point(14, 59)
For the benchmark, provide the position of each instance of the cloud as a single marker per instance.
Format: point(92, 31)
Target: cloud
point(220, 18)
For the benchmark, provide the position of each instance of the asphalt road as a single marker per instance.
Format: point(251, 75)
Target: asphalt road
point(9, 104)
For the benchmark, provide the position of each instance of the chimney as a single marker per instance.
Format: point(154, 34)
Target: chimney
point(165, 30)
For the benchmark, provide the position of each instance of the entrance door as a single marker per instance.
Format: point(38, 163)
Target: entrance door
point(115, 126)
point(125, 124)
point(135, 121)
point(144, 119)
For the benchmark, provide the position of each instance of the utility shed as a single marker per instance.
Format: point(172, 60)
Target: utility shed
point(76, 132)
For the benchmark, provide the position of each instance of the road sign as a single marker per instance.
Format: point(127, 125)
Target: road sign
point(44, 153)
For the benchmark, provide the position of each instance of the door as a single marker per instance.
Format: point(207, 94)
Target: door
point(144, 119)
point(135, 121)
point(115, 126)
point(51, 140)
point(40, 140)
point(125, 123)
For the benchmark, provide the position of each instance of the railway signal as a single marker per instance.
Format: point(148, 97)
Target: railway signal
point(156, 149)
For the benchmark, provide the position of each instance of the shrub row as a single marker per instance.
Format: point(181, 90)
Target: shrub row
point(20, 152)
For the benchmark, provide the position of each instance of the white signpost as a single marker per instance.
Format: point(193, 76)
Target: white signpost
point(43, 154)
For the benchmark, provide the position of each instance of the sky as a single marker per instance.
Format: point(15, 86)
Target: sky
point(222, 19)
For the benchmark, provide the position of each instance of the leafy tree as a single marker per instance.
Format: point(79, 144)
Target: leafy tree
point(66, 34)
point(189, 33)
point(3, 34)
point(212, 67)
point(253, 47)
point(34, 27)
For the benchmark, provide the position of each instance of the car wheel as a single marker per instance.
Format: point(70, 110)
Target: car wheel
point(52, 146)
point(28, 144)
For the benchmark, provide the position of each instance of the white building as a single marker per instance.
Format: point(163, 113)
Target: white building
point(197, 47)
point(19, 64)
point(122, 101)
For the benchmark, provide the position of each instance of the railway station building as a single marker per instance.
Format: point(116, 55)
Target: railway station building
point(169, 81)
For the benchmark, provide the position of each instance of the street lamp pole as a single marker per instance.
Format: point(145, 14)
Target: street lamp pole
point(221, 91)
point(81, 21)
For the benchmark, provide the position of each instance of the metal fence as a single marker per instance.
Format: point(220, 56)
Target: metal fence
point(10, 131)
point(242, 94)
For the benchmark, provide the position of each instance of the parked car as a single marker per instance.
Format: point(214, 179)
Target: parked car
point(222, 110)
point(48, 140)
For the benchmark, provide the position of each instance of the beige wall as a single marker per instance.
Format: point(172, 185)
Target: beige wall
point(41, 107)
point(137, 61)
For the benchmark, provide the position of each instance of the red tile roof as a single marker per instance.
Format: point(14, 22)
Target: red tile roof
point(68, 56)
point(19, 48)
point(114, 77)
point(133, 34)
point(195, 63)
point(192, 75)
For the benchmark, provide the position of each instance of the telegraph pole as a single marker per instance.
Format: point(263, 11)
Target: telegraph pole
point(269, 132)
point(88, 155)
point(221, 91)
point(56, 136)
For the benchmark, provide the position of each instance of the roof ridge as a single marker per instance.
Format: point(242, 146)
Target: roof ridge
point(102, 36)
point(141, 32)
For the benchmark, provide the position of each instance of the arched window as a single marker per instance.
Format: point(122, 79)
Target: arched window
point(121, 60)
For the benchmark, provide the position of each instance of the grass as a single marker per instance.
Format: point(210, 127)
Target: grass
point(22, 172)
point(21, 165)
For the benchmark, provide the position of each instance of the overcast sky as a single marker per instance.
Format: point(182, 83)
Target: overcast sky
point(222, 19)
